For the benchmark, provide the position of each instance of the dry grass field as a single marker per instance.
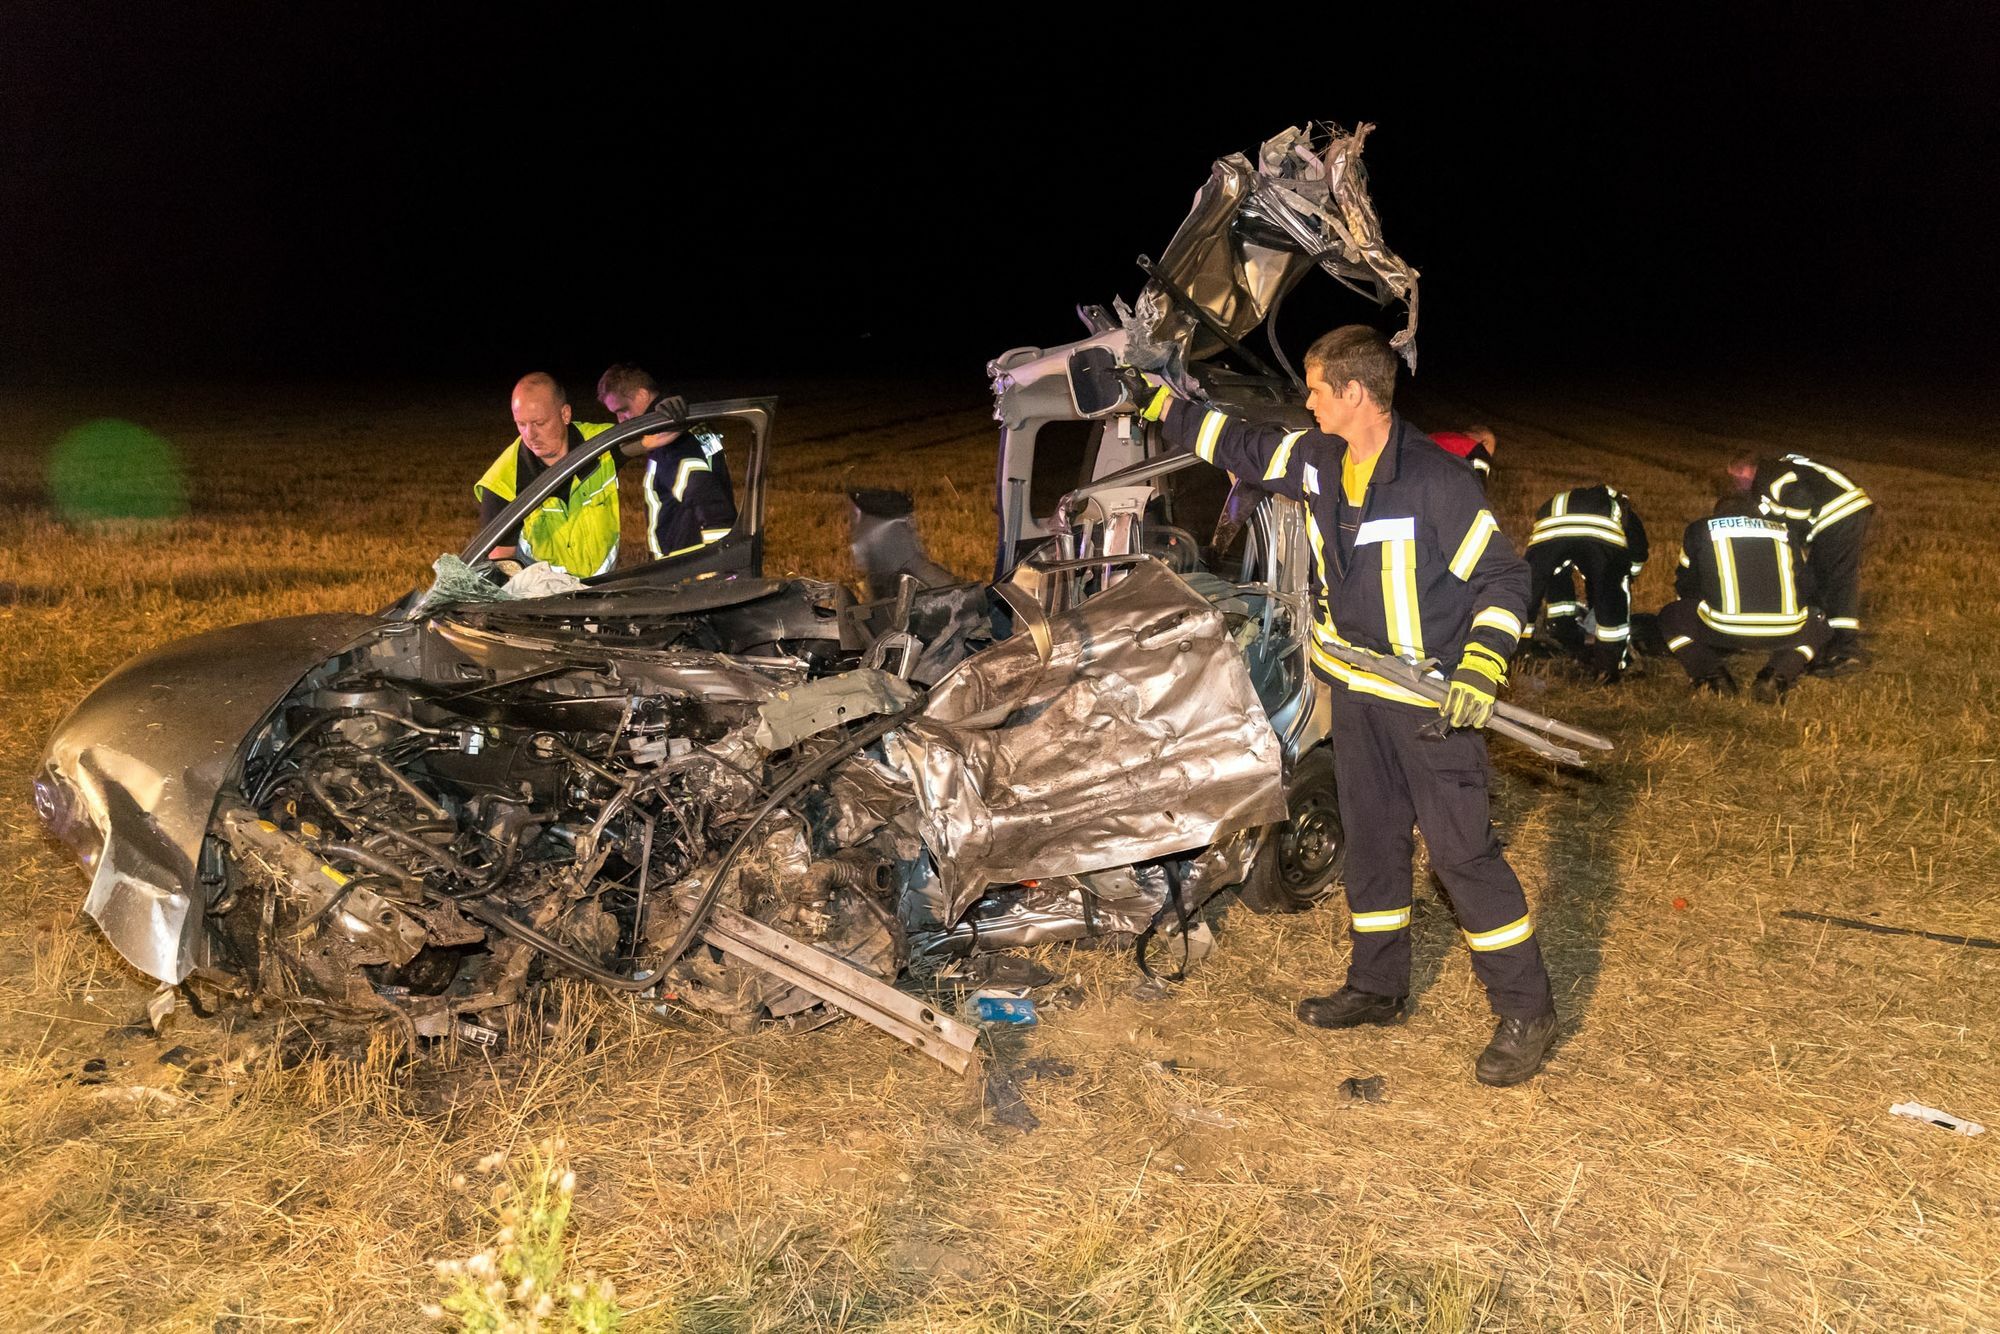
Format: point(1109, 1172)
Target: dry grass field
point(1709, 1149)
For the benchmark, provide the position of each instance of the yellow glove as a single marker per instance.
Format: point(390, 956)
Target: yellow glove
point(1475, 687)
point(1156, 407)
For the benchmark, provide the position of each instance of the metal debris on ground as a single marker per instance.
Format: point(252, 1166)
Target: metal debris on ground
point(1364, 1088)
point(1882, 929)
point(1957, 1125)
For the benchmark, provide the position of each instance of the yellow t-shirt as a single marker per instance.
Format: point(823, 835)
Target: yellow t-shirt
point(1354, 476)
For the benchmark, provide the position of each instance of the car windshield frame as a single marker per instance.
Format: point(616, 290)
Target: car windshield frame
point(749, 514)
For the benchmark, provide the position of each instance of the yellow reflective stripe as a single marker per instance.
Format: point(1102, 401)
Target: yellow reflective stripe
point(1393, 919)
point(688, 468)
point(1281, 459)
point(1595, 527)
point(1788, 593)
point(1559, 609)
point(1686, 564)
point(1834, 475)
point(1499, 618)
point(653, 511)
point(1805, 649)
point(1500, 937)
point(1611, 634)
point(1559, 505)
point(713, 534)
point(1211, 431)
point(1844, 622)
point(1318, 546)
point(1852, 503)
point(1725, 566)
point(1474, 545)
point(1399, 597)
point(1679, 642)
point(1760, 625)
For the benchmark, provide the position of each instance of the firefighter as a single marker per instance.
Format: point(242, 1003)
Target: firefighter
point(1407, 560)
point(576, 530)
point(689, 501)
point(1743, 584)
point(1828, 516)
point(1593, 533)
point(1475, 444)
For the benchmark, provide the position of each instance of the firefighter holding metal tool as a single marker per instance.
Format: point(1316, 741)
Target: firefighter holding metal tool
point(1408, 562)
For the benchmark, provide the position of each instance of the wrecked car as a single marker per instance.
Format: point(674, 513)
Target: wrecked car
point(688, 781)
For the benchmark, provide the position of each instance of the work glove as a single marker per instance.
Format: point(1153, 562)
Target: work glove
point(1474, 688)
point(1156, 406)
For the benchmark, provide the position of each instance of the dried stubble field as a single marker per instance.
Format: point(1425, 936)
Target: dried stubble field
point(1709, 1149)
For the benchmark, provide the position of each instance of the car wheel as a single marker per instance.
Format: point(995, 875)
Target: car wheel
point(1300, 862)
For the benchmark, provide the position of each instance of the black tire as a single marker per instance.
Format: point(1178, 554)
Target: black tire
point(1300, 862)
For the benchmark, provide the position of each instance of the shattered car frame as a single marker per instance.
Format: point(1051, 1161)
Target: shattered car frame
point(688, 781)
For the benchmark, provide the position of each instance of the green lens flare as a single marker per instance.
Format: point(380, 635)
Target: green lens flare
point(110, 469)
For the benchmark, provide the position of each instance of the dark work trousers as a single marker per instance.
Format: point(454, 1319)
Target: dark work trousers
point(1606, 572)
point(1699, 646)
point(1834, 557)
point(1390, 778)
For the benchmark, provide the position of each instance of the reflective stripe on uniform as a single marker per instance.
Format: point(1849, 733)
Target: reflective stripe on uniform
point(1612, 634)
point(1498, 618)
point(1393, 919)
point(689, 467)
point(1843, 622)
point(1757, 625)
point(1559, 609)
point(1211, 431)
point(1679, 642)
point(1474, 545)
point(1725, 566)
point(1500, 937)
point(1281, 459)
point(1595, 527)
point(1399, 597)
point(1852, 503)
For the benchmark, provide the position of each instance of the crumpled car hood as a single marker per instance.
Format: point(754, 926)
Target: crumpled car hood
point(132, 774)
point(1141, 737)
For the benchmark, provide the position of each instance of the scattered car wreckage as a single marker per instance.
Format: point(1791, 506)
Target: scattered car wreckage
point(756, 796)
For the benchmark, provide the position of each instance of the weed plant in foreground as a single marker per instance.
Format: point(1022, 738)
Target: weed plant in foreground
point(1709, 1149)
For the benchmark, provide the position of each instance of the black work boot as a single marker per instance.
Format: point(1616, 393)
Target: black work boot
point(1769, 687)
point(1842, 657)
point(1348, 1008)
point(1722, 683)
point(1518, 1048)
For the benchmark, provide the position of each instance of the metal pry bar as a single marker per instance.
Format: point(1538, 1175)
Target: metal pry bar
point(843, 986)
point(1529, 728)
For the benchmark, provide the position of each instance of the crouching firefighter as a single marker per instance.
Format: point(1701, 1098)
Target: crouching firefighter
point(1408, 561)
point(575, 530)
point(1828, 517)
point(1743, 584)
point(1593, 534)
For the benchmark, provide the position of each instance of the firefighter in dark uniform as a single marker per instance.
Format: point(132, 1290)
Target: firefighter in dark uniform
point(1828, 516)
point(1408, 560)
point(1594, 533)
point(575, 531)
point(1743, 584)
point(689, 500)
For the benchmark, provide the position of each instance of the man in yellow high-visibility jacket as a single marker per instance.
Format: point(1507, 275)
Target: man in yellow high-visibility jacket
point(575, 530)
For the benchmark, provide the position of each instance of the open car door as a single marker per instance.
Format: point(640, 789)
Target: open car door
point(743, 428)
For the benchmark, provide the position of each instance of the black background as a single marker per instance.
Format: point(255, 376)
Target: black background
point(254, 190)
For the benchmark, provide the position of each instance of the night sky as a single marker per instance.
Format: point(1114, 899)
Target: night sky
point(359, 193)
